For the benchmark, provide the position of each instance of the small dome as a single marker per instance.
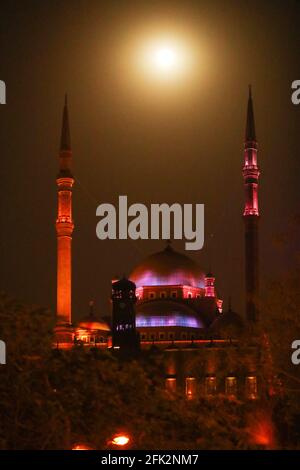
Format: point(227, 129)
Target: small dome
point(89, 324)
point(228, 324)
point(124, 284)
point(168, 268)
point(92, 322)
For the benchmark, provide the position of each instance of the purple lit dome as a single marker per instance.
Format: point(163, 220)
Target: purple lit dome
point(168, 268)
point(166, 313)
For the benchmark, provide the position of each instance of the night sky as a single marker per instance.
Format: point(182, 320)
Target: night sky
point(132, 135)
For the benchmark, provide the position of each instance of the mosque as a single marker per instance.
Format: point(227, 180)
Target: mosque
point(168, 303)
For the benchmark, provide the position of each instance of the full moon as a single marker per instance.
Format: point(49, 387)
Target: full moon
point(165, 58)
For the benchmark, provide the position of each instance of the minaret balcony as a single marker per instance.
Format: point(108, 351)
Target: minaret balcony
point(64, 226)
point(65, 183)
point(251, 211)
point(251, 175)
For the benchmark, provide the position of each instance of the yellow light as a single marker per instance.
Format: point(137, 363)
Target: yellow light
point(121, 440)
point(165, 58)
point(82, 446)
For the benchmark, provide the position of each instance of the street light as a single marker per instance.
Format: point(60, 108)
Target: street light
point(82, 446)
point(120, 440)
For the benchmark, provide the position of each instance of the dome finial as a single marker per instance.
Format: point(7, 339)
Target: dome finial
point(91, 305)
point(65, 139)
point(209, 273)
point(250, 124)
point(168, 244)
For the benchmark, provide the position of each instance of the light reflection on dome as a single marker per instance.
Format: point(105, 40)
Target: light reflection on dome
point(167, 321)
point(168, 268)
point(177, 278)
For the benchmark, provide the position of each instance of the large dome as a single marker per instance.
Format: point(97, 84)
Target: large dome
point(168, 268)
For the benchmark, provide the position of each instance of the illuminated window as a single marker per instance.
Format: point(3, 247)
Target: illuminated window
point(190, 387)
point(231, 387)
point(161, 336)
point(132, 294)
point(152, 295)
point(251, 388)
point(190, 295)
point(174, 295)
point(210, 386)
point(170, 384)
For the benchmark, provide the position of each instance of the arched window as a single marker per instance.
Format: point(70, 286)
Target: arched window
point(210, 386)
point(170, 384)
point(251, 387)
point(190, 388)
point(231, 387)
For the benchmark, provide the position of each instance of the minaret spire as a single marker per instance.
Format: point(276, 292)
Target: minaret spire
point(250, 126)
point(64, 230)
point(251, 174)
point(65, 153)
point(65, 141)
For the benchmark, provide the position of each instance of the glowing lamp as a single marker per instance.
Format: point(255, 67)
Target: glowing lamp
point(120, 440)
point(82, 446)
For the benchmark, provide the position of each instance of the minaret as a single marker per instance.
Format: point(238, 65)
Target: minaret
point(209, 289)
point(251, 214)
point(64, 230)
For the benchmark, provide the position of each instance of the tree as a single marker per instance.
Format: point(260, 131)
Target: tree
point(52, 399)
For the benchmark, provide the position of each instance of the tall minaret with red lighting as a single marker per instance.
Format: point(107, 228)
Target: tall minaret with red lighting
point(64, 230)
point(251, 214)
